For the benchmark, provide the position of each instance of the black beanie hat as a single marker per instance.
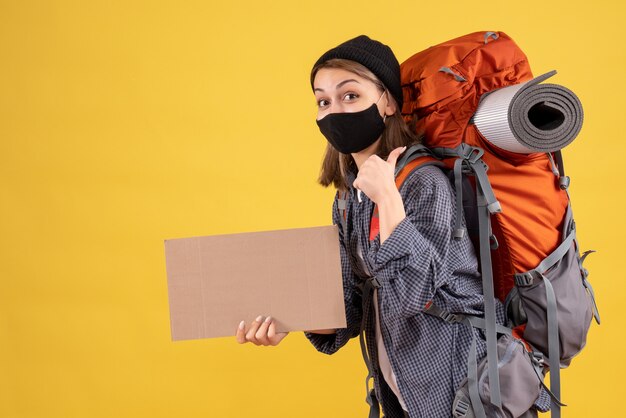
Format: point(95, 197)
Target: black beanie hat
point(373, 55)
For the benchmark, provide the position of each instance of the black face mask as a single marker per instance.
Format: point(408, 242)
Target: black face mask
point(352, 132)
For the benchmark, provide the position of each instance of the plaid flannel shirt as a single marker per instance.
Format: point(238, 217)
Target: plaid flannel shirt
point(418, 263)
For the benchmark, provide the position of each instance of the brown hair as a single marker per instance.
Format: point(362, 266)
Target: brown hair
point(335, 165)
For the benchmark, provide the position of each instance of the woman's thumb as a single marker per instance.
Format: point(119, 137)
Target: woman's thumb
point(393, 155)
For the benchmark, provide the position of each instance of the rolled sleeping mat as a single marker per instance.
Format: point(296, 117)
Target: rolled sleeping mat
point(530, 117)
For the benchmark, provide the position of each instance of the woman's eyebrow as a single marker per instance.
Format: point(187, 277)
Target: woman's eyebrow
point(338, 85)
point(346, 81)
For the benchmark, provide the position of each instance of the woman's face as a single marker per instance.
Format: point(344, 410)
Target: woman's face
point(338, 91)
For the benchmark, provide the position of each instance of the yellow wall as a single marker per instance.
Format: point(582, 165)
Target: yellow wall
point(123, 123)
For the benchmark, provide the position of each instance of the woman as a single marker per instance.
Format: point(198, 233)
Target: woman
point(418, 360)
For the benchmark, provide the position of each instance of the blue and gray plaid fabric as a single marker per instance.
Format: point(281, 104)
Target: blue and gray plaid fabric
point(419, 262)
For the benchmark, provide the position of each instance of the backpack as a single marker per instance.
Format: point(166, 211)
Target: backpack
point(520, 221)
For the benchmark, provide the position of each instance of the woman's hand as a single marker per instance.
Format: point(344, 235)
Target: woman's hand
point(376, 179)
point(376, 176)
point(261, 332)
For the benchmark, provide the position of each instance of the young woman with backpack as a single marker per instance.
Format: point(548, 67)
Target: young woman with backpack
point(417, 360)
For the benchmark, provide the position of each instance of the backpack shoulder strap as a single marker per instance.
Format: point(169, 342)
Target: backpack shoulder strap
point(417, 156)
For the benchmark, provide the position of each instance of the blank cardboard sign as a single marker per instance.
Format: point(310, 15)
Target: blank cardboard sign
point(215, 282)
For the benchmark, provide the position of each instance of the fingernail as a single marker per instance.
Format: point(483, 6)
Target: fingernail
point(259, 318)
point(242, 324)
point(268, 319)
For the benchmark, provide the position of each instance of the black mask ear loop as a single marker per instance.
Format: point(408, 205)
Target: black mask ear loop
point(384, 114)
point(381, 96)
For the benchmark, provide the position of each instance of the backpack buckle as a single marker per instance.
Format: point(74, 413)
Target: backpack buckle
point(471, 154)
point(537, 358)
point(524, 279)
point(434, 310)
point(460, 408)
point(450, 317)
point(475, 155)
point(493, 242)
point(375, 283)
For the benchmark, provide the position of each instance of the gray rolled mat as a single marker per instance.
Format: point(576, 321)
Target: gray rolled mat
point(530, 117)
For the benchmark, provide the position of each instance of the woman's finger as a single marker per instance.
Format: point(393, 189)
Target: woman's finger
point(241, 333)
point(261, 334)
point(273, 336)
point(393, 155)
point(254, 327)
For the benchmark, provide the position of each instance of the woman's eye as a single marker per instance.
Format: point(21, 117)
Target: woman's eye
point(351, 96)
point(322, 102)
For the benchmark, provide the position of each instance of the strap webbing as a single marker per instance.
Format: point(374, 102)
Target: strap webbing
point(538, 368)
point(553, 167)
point(596, 313)
point(457, 77)
point(459, 232)
point(370, 398)
point(410, 155)
point(342, 206)
point(368, 286)
point(559, 163)
point(491, 34)
point(486, 204)
point(470, 320)
point(417, 156)
point(413, 152)
point(480, 170)
point(557, 254)
point(553, 348)
point(478, 322)
point(489, 298)
point(472, 157)
point(563, 179)
point(594, 306)
point(472, 381)
point(472, 363)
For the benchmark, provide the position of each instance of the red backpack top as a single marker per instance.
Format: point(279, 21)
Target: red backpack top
point(443, 84)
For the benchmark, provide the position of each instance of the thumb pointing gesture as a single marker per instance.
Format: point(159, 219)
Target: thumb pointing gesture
point(376, 176)
point(393, 156)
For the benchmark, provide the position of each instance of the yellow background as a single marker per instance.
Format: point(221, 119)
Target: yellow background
point(124, 123)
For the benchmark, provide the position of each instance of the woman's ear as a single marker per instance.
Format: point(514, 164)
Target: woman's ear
point(391, 106)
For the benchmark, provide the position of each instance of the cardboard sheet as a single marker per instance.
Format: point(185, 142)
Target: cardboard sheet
point(215, 282)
